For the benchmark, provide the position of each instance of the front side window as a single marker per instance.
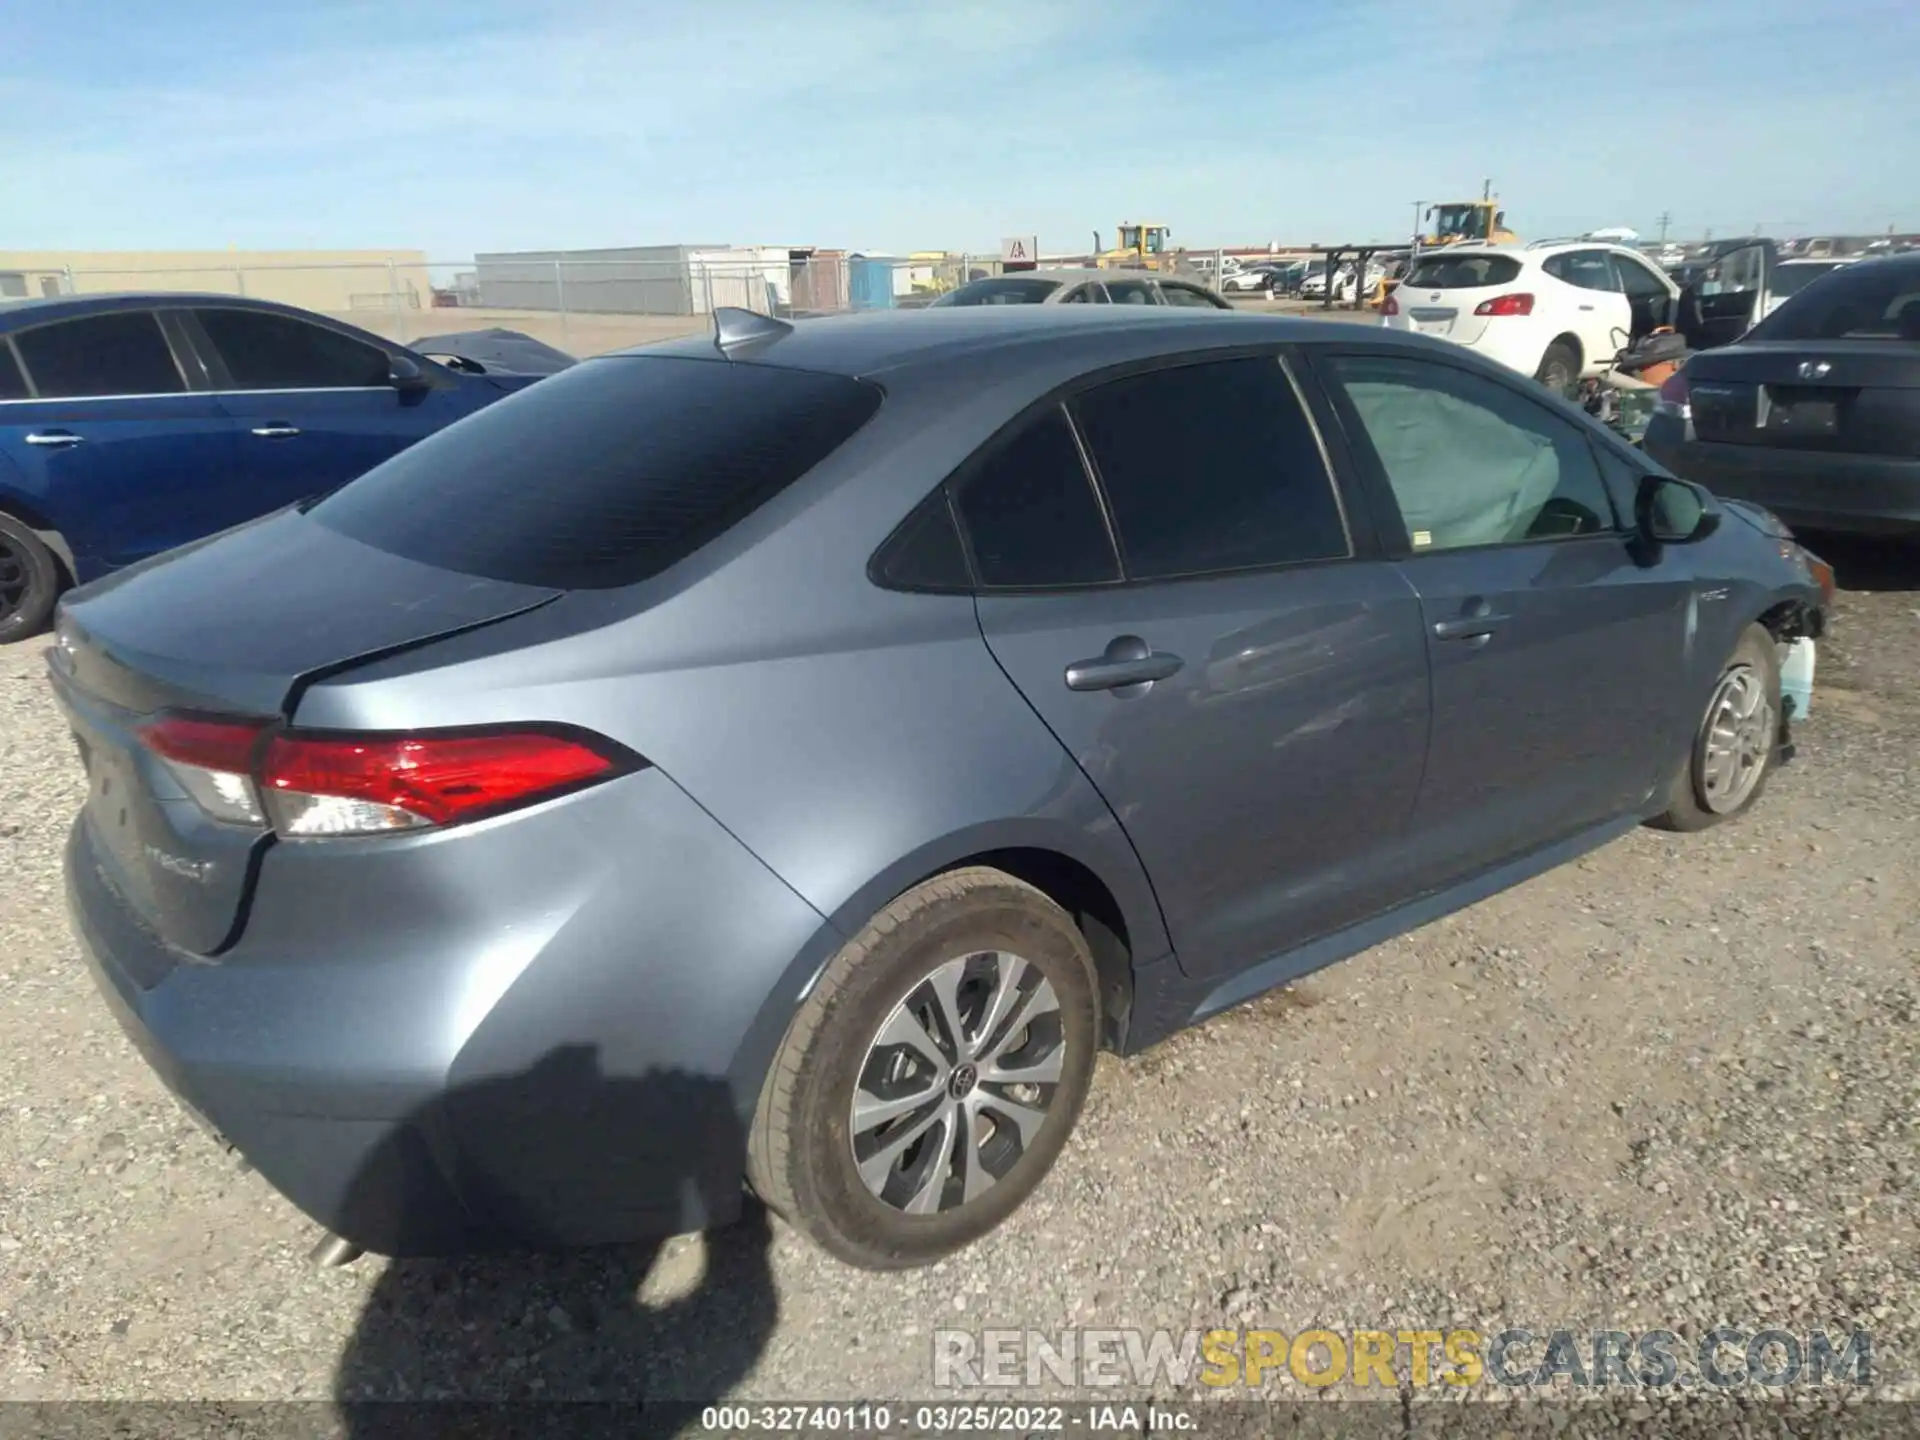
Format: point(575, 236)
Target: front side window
point(1030, 513)
point(1639, 282)
point(119, 353)
point(13, 384)
point(1469, 460)
point(276, 352)
point(1130, 292)
point(1211, 468)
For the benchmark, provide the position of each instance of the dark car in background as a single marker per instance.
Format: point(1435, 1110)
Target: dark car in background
point(868, 721)
point(1815, 412)
point(130, 424)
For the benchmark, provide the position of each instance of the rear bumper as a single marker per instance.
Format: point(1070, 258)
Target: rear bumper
point(1866, 494)
point(541, 1031)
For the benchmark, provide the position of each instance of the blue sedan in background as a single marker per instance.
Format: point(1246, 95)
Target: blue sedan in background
point(130, 424)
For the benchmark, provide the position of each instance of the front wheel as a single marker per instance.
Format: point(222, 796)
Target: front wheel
point(932, 1075)
point(1733, 749)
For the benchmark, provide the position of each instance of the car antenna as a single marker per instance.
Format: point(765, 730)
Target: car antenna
point(734, 327)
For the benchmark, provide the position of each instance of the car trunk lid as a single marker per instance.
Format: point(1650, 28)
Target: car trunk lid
point(1846, 396)
point(288, 600)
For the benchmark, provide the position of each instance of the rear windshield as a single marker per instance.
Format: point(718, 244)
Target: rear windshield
point(1463, 272)
point(605, 474)
point(1869, 300)
point(1792, 279)
point(1004, 290)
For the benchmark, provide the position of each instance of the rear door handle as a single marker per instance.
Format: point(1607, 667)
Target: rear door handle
point(54, 439)
point(1128, 660)
point(1469, 627)
point(277, 430)
point(1586, 307)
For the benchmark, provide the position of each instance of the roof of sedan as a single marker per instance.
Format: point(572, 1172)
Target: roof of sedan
point(38, 307)
point(888, 340)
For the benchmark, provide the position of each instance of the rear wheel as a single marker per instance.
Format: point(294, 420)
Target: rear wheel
point(1733, 749)
point(29, 581)
point(932, 1076)
point(1559, 368)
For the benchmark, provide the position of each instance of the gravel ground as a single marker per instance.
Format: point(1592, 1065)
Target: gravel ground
point(1672, 1085)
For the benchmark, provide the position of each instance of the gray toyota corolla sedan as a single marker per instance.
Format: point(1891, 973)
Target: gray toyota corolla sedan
point(782, 759)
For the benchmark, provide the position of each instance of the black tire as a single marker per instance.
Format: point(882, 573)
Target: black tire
point(1690, 805)
point(801, 1160)
point(30, 581)
point(1559, 368)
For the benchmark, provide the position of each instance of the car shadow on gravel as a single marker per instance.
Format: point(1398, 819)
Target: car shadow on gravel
point(514, 1341)
point(1868, 562)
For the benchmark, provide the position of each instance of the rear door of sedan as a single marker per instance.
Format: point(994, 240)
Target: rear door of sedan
point(1558, 643)
point(1168, 571)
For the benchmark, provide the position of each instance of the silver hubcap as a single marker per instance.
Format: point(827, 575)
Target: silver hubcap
point(957, 1083)
point(1736, 742)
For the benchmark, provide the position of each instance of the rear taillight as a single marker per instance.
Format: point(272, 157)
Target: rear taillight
point(371, 784)
point(213, 762)
point(1391, 307)
point(1520, 304)
point(1675, 398)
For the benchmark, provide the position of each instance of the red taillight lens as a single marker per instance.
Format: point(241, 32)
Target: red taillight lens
point(327, 784)
point(1675, 398)
point(1521, 304)
point(1391, 307)
point(365, 784)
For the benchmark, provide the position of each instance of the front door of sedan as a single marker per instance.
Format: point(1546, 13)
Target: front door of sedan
point(314, 407)
point(110, 445)
point(1558, 647)
point(1239, 677)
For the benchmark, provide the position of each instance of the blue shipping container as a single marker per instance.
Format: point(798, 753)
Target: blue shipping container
point(870, 284)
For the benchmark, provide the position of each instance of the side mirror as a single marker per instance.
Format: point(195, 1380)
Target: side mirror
point(406, 376)
point(1672, 512)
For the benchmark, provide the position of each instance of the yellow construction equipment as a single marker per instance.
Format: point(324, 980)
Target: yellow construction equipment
point(1465, 222)
point(1139, 247)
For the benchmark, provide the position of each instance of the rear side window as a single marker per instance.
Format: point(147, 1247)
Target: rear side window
point(13, 385)
point(925, 552)
point(1587, 269)
point(1030, 512)
point(120, 353)
point(276, 352)
point(1464, 272)
point(604, 474)
point(1008, 290)
point(1189, 296)
point(1130, 292)
point(1210, 468)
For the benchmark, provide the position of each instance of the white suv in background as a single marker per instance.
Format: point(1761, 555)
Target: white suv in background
point(1555, 310)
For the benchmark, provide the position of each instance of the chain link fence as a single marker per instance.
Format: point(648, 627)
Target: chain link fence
point(586, 304)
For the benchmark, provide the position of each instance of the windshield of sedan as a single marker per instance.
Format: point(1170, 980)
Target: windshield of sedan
point(1867, 301)
point(1001, 290)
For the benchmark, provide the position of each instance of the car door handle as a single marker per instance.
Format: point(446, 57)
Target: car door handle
point(278, 430)
point(1469, 627)
point(54, 439)
point(1586, 307)
point(1128, 660)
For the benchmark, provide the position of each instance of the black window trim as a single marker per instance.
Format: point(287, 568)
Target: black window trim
point(1363, 538)
point(876, 562)
point(34, 397)
point(1396, 541)
point(220, 380)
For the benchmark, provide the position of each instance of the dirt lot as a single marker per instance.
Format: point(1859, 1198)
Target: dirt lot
point(1671, 1085)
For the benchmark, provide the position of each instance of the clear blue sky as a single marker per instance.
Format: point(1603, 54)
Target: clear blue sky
point(499, 124)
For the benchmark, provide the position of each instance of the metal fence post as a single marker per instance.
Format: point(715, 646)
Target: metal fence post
point(240, 282)
point(560, 300)
point(67, 270)
point(393, 302)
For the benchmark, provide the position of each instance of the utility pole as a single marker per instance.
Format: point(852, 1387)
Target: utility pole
point(1665, 220)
